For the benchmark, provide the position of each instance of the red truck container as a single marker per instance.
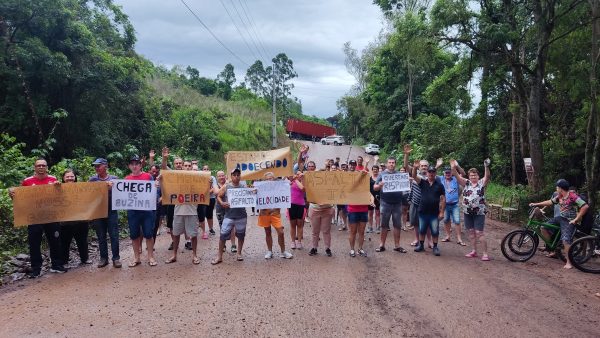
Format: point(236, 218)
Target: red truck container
point(298, 129)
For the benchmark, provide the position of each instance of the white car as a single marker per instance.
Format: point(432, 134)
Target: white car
point(336, 140)
point(372, 149)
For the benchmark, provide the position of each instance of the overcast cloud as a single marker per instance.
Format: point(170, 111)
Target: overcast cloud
point(310, 32)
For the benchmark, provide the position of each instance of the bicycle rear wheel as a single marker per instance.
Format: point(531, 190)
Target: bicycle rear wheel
point(519, 245)
point(584, 254)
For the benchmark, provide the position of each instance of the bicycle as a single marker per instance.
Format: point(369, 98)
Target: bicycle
point(584, 253)
point(521, 244)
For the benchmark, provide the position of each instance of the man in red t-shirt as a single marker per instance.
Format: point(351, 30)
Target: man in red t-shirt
point(35, 231)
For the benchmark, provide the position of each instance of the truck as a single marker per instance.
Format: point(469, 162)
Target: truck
point(298, 129)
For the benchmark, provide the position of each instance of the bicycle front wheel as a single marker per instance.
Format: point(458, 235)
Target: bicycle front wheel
point(584, 254)
point(519, 245)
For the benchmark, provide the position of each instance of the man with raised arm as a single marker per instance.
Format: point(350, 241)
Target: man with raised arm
point(431, 206)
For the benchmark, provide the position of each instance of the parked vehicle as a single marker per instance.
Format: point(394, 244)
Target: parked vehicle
point(372, 149)
point(304, 130)
point(336, 140)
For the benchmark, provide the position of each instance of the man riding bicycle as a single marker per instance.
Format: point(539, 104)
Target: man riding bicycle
point(569, 203)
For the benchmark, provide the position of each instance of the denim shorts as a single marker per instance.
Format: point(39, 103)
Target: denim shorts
point(567, 230)
point(452, 213)
point(140, 220)
point(358, 217)
point(393, 211)
point(229, 224)
point(429, 221)
point(474, 222)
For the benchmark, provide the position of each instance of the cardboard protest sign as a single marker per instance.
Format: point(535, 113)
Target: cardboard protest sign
point(185, 187)
point(337, 187)
point(272, 194)
point(133, 195)
point(241, 197)
point(396, 182)
point(254, 164)
point(40, 204)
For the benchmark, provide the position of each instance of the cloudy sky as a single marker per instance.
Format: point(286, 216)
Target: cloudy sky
point(310, 32)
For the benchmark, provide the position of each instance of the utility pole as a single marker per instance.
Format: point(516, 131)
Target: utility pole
point(274, 118)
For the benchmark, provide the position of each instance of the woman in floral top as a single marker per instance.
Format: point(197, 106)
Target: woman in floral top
point(474, 206)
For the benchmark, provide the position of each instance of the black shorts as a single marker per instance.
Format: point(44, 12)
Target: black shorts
point(376, 207)
point(170, 213)
point(206, 211)
point(296, 211)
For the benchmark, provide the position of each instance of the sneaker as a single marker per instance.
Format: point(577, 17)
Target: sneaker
point(188, 245)
point(370, 230)
point(352, 253)
point(58, 269)
point(103, 262)
point(234, 248)
point(204, 236)
point(419, 248)
point(362, 253)
point(378, 230)
point(35, 273)
point(312, 252)
point(299, 245)
point(170, 246)
point(212, 232)
point(293, 245)
point(117, 264)
point(286, 255)
point(436, 251)
point(328, 252)
point(269, 255)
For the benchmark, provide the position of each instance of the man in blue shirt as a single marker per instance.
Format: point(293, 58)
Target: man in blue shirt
point(452, 212)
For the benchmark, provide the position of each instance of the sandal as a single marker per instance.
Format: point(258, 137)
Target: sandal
point(461, 243)
point(551, 255)
point(152, 263)
point(447, 239)
point(216, 261)
point(485, 258)
point(134, 264)
point(362, 253)
point(400, 249)
point(380, 249)
point(471, 254)
point(171, 260)
point(414, 243)
point(196, 261)
point(240, 258)
point(352, 253)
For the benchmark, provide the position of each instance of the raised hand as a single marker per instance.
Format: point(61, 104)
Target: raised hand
point(417, 163)
point(487, 162)
point(439, 162)
point(151, 154)
point(407, 148)
point(165, 152)
point(453, 163)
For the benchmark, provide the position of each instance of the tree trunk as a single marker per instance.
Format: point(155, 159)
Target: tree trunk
point(543, 12)
point(592, 147)
point(513, 146)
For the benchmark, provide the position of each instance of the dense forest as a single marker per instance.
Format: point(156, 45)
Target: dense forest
point(474, 79)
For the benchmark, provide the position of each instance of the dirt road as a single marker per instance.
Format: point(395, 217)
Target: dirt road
point(386, 294)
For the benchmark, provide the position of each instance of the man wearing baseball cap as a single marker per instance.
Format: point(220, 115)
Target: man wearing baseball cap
point(572, 210)
point(431, 207)
point(235, 218)
point(109, 224)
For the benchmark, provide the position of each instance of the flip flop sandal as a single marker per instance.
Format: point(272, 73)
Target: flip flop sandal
point(215, 262)
point(240, 258)
point(400, 249)
point(380, 249)
point(414, 243)
point(171, 260)
point(485, 258)
point(134, 264)
point(461, 243)
point(196, 261)
point(152, 263)
point(446, 240)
